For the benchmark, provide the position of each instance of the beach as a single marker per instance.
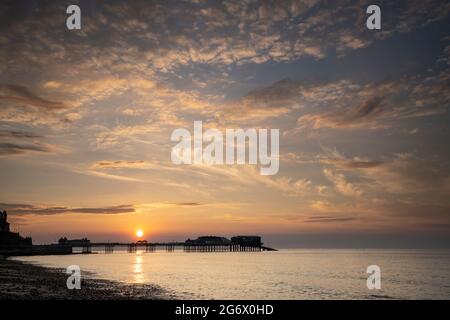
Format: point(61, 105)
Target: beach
point(24, 281)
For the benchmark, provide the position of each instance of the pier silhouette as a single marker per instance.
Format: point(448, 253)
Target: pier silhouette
point(201, 244)
point(12, 244)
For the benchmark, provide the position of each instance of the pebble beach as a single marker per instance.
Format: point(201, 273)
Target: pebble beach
point(23, 281)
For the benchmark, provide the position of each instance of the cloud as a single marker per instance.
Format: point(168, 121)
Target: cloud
point(17, 134)
point(249, 175)
point(355, 163)
point(377, 105)
point(356, 116)
point(235, 32)
point(19, 104)
point(268, 102)
point(188, 204)
point(28, 209)
point(133, 164)
point(406, 174)
point(122, 170)
point(341, 184)
point(283, 97)
point(329, 218)
point(133, 54)
point(119, 164)
point(8, 149)
point(21, 94)
point(400, 189)
point(15, 142)
point(337, 159)
point(399, 174)
point(342, 103)
point(112, 137)
point(106, 175)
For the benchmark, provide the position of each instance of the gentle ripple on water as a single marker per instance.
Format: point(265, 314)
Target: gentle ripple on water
point(285, 274)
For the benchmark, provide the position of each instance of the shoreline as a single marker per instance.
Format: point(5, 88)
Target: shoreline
point(24, 281)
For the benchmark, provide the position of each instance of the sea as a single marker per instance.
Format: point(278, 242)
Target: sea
point(283, 274)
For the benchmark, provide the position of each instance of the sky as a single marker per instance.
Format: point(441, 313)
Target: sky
point(87, 116)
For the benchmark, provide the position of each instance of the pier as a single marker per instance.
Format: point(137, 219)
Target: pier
point(12, 244)
point(201, 244)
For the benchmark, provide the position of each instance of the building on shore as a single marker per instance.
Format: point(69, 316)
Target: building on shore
point(209, 240)
point(74, 242)
point(12, 244)
point(251, 241)
point(11, 240)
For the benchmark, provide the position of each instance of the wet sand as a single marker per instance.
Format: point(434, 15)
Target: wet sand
point(20, 281)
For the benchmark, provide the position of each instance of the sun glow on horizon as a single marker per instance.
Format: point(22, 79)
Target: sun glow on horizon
point(139, 233)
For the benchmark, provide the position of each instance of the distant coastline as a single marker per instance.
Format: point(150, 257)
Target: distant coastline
point(23, 281)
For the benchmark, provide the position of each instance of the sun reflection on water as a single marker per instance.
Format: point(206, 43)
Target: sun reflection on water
point(137, 268)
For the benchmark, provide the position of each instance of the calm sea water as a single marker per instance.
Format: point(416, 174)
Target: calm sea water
point(286, 274)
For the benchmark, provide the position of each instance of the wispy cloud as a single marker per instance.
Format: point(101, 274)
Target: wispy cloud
point(21, 94)
point(379, 105)
point(342, 185)
point(7, 149)
point(15, 142)
point(332, 219)
point(17, 134)
point(28, 209)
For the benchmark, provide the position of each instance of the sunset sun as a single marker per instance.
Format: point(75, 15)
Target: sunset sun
point(139, 233)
